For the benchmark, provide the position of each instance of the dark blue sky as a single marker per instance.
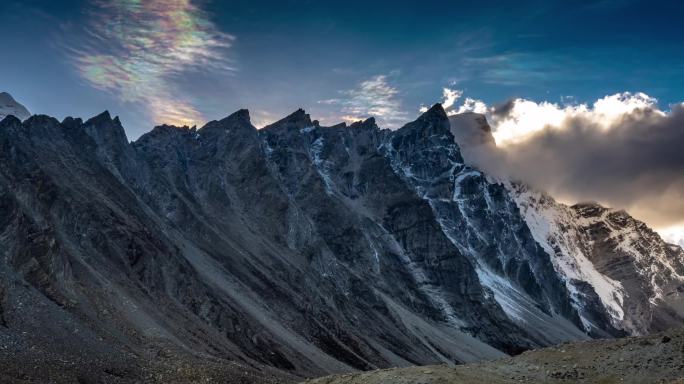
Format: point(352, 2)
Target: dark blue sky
point(164, 61)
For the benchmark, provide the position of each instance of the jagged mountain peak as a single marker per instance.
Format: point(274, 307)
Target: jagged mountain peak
point(104, 121)
point(369, 123)
point(9, 120)
point(298, 114)
point(432, 122)
point(72, 122)
point(239, 121)
point(100, 118)
point(435, 112)
point(296, 120)
point(241, 115)
point(42, 120)
point(165, 135)
point(164, 130)
point(42, 127)
point(106, 131)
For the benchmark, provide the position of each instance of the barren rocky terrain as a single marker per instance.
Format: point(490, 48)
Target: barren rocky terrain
point(651, 359)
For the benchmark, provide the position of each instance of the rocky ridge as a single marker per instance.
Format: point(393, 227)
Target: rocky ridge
point(292, 251)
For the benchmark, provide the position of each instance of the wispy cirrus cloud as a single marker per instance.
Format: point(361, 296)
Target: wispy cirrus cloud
point(373, 97)
point(520, 68)
point(138, 49)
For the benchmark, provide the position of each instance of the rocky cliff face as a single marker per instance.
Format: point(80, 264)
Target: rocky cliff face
point(622, 277)
point(637, 278)
point(294, 250)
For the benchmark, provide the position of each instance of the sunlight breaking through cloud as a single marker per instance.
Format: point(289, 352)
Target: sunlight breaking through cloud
point(516, 120)
point(449, 99)
point(621, 150)
point(134, 49)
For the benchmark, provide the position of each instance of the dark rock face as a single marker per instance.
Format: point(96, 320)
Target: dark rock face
point(483, 222)
point(294, 250)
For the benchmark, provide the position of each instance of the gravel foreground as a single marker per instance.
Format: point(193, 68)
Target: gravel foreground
point(651, 359)
point(39, 368)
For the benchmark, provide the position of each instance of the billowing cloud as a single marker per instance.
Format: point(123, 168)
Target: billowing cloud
point(450, 97)
point(374, 97)
point(622, 151)
point(136, 49)
point(516, 120)
point(673, 234)
point(470, 105)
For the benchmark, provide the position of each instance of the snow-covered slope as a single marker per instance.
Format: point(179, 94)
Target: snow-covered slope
point(555, 227)
point(9, 106)
point(631, 269)
point(617, 270)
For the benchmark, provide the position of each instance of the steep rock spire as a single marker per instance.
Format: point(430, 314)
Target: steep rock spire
point(297, 120)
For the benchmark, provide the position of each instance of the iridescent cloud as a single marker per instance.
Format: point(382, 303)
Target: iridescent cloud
point(136, 49)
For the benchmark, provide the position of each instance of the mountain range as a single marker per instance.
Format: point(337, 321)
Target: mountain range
point(299, 250)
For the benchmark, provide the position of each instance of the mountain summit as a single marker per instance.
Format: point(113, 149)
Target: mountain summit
point(231, 253)
point(9, 106)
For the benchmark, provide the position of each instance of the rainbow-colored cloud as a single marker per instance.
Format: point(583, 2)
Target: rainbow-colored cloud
point(135, 49)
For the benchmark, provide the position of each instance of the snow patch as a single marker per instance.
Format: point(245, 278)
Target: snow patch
point(553, 227)
point(322, 165)
point(307, 129)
